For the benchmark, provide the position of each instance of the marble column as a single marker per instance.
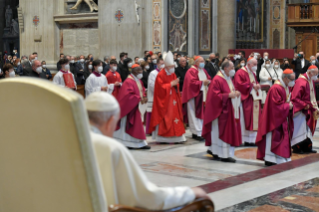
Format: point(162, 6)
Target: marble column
point(226, 26)
point(2, 24)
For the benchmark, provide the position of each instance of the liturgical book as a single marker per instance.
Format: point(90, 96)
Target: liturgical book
point(68, 80)
point(256, 95)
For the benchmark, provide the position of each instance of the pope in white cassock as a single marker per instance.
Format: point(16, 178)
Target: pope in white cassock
point(97, 81)
point(123, 180)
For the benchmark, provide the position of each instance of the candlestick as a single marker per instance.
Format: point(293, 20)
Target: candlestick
point(250, 25)
point(242, 24)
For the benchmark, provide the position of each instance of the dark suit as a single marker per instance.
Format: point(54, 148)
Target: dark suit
point(27, 68)
point(58, 66)
point(79, 69)
point(259, 64)
point(298, 67)
point(211, 68)
point(36, 75)
point(181, 72)
point(47, 72)
point(106, 68)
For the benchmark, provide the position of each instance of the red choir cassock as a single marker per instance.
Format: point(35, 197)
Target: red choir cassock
point(244, 82)
point(192, 89)
point(167, 107)
point(129, 98)
point(219, 105)
point(278, 119)
point(113, 77)
point(301, 97)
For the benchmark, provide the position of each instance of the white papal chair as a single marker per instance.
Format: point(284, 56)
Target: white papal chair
point(47, 162)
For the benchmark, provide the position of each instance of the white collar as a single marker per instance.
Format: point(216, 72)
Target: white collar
point(136, 79)
point(226, 77)
point(95, 130)
point(167, 72)
point(282, 82)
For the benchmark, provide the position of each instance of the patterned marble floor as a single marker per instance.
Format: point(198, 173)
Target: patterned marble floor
point(239, 186)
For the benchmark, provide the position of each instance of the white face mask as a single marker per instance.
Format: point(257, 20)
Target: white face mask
point(90, 66)
point(276, 66)
point(19, 63)
point(39, 70)
point(147, 67)
point(172, 70)
point(266, 57)
point(36, 58)
point(100, 69)
point(242, 64)
point(154, 61)
point(313, 62)
point(254, 68)
point(67, 67)
point(162, 66)
point(139, 76)
point(72, 61)
point(44, 66)
point(232, 73)
point(130, 65)
point(314, 78)
point(267, 65)
point(114, 68)
point(82, 60)
point(12, 74)
point(291, 84)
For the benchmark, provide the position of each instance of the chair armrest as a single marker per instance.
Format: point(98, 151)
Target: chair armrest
point(202, 204)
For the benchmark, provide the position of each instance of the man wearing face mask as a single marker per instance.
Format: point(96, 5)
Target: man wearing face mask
point(153, 64)
point(28, 66)
point(221, 113)
point(239, 58)
point(313, 61)
point(305, 111)
point(211, 66)
point(245, 81)
point(8, 71)
point(285, 64)
point(37, 70)
point(130, 131)
point(113, 77)
point(150, 92)
point(195, 90)
point(167, 117)
point(277, 126)
point(301, 64)
point(46, 71)
point(80, 69)
point(64, 77)
point(97, 81)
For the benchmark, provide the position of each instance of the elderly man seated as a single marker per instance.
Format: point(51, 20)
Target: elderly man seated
point(124, 181)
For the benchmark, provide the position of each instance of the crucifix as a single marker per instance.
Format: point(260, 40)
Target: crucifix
point(137, 9)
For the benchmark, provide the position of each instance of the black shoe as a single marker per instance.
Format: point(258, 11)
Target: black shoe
point(145, 147)
point(312, 151)
point(215, 156)
point(194, 136)
point(298, 151)
point(228, 160)
point(267, 163)
point(249, 144)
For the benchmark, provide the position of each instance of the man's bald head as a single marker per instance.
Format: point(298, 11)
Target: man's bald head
point(113, 58)
point(252, 63)
point(31, 57)
point(212, 56)
point(36, 64)
point(182, 62)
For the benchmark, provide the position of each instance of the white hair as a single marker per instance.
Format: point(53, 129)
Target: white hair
point(100, 117)
point(250, 61)
point(312, 56)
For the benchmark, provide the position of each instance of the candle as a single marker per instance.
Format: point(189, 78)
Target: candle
point(250, 25)
point(258, 25)
point(238, 24)
point(254, 24)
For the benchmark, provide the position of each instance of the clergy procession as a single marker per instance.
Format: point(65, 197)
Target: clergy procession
point(129, 107)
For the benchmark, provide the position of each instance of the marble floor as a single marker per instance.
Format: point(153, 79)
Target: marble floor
point(246, 185)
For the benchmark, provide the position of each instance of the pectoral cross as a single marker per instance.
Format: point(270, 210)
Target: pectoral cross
point(176, 121)
point(174, 102)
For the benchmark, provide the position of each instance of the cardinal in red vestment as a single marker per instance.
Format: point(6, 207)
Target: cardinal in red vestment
point(221, 123)
point(305, 111)
point(113, 77)
point(130, 129)
point(246, 83)
point(195, 90)
point(167, 118)
point(276, 128)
